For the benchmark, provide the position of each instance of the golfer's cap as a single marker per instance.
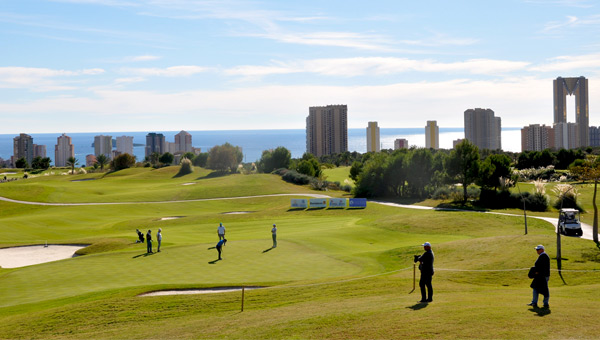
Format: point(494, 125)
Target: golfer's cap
point(159, 229)
point(273, 224)
point(539, 247)
point(426, 244)
point(220, 224)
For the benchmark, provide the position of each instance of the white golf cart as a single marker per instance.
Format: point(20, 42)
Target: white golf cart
point(568, 222)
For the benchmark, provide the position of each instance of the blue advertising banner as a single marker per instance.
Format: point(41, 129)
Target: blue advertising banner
point(357, 203)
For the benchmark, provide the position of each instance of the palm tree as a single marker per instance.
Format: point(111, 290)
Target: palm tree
point(72, 161)
point(102, 160)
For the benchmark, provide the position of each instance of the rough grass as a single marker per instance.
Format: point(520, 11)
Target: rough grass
point(339, 274)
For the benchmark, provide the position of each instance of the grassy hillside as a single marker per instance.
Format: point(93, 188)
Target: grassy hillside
point(336, 273)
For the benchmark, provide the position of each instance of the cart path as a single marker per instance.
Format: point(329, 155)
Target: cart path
point(155, 202)
point(586, 228)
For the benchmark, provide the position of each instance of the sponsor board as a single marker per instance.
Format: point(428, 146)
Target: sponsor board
point(318, 202)
point(337, 202)
point(357, 203)
point(299, 203)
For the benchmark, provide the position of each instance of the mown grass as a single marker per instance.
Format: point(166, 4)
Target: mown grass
point(336, 273)
point(340, 174)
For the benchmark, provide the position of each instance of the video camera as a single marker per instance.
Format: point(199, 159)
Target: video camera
point(416, 258)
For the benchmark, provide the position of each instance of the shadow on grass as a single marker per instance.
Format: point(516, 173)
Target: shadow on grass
point(267, 250)
point(540, 311)
point(214, 261)
point(296, 209)
point(598, 245)
point(143, 255)
point(214, 174)
point(418, 306)
point(454, 206)
point(211, 248)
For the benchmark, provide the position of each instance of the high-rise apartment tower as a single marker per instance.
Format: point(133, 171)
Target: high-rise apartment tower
point(483, 129)
point(23, 148)
point(578, 87)
point(155, 142)
point(432, 135)
point(63, 150)
point(373, 144)
point(327, 130)
point(103, 146)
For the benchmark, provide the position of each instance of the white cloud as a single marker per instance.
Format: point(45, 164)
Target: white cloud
point(40, 78)
point(349, 67)
point(173, 71)
point(588, 63)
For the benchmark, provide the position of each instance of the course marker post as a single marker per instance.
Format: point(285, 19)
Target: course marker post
point(243, 289)
point(414, 277)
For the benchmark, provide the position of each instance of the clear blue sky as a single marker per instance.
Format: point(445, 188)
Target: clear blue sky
point(112, 65)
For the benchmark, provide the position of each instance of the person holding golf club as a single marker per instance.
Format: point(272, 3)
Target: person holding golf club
point(426, 268)
point(220, 247)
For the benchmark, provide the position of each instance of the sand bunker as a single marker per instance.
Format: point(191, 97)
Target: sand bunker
point(188, 183)
point(237, 212)
point(213, 290)
point(16, 257)
point(171, 218)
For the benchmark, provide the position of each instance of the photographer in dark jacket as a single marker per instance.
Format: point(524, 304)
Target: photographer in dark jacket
point(426, 268)
point(541, 276)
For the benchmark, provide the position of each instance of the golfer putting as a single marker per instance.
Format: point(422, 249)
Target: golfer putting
point(220, 247)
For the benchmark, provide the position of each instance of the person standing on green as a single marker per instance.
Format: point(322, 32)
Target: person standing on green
point(274, 233)
point(159, 239)
point(149, 241)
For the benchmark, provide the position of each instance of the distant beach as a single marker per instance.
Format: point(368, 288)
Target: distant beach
point(254, 142)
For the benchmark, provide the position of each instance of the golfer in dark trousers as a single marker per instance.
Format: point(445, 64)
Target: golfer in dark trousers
point(426, 268)
point(220, 247)
point(149, 241)
point(541, 277)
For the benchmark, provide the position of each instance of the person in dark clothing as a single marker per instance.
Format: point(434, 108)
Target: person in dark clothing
point(220, 247)
point(426, 268)
point(149, 241)
point(541, 277)
point(140, 236)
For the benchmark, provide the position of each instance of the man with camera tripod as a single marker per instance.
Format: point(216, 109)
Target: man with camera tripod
point(426, 268)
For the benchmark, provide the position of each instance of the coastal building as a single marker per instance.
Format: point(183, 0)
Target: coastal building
point(400, 143)
point(578, 87)
point(594, 136)
point(456, 142)
point(373, 144)
point(171, 148)
point(183, 142)
point(566, 136)
point(536, 137)
point(125, 144)
point(39, 151)
point(103, 146)
point(63, 150)
point(23, 148)
point(90, 160)
point(327, 130)
point(432, 135)
point(155, 142)
point(483, 129)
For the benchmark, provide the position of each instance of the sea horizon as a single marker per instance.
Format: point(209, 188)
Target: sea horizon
point(254, 142)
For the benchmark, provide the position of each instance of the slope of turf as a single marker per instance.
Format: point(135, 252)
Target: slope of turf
point(336, 273)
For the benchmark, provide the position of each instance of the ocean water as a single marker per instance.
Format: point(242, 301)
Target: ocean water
point(253, 142)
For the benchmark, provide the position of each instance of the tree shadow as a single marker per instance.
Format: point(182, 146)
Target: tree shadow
point(267, 250)
point(418, 306)
point(540, 311)
point(214, 174)
point(597, 245)
point(143, 255)
point(214, 261)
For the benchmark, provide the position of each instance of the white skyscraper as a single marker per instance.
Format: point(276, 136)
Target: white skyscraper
point(125, 144)
point(63, 150)
point(432, 135)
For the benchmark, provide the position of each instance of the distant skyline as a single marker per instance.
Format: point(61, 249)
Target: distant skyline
point(146, 65)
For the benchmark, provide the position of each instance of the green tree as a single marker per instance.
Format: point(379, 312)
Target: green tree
point(166, 158)
point(309, 165)
point(201, 159)
point(355, 170)
point(589, 170)
point(396, 171)
point(21, 163)
point(186, 167)
point(371, 181)
point(462, 165)
point(122, 161)
point(420, 171)
point(224, 157)
point(72, 161)
point(274, 159)
point(40, 163)
point(102, 160)
point(492, 168)
point(189, 155)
